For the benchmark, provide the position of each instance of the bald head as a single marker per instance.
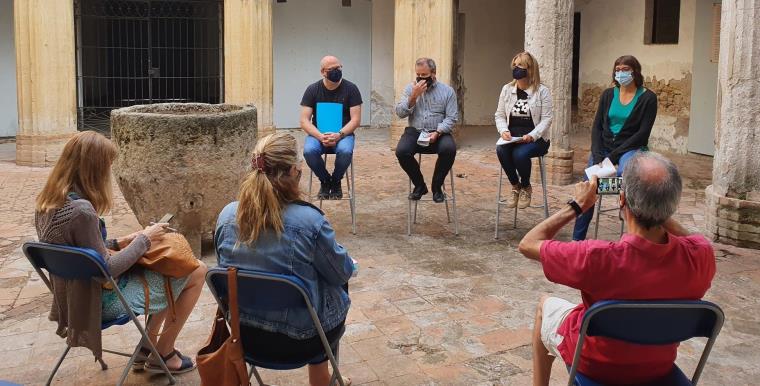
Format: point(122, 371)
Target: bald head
point(329, 62)
point(652, 187)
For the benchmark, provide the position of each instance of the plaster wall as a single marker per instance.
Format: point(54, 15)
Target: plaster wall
point(612, 28)
point(8, 102)
point(304, 31)
point(382, 63)
point(494, 33)
point(704, 90)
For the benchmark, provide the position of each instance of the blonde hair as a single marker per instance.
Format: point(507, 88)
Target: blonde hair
point(527, 61)
point(264, 193)
point(84, 167)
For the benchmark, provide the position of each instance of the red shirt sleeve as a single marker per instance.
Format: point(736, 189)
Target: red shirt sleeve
point(567, 263)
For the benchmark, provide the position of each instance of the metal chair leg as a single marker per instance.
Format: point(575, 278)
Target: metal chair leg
point(454, 202)
point(129, 364)
point(498, 205)
point(542, 166)
point(258, 376)
point(409, 212)
point(598, 212)
point(57, 365)
point(352, 197)
point(446, 204)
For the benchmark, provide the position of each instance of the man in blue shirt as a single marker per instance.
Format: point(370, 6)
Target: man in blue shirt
point(431, 107)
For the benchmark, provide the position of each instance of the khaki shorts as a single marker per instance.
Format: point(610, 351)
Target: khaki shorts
point(554, 312)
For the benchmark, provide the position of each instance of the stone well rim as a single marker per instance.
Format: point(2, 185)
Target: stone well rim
point(136, 111)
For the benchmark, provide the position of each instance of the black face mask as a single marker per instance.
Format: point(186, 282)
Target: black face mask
point(428, 80)
point(519, 73)
point(335, 75)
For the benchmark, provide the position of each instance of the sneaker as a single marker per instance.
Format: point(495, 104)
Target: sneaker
point(336, 191)
point(524, 200)
point(514, 196)
point(324, 190)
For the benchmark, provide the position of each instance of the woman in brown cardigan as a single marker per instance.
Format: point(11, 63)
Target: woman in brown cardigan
point(77, 192)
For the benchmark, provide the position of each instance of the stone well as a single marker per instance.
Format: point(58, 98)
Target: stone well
point(182, 158)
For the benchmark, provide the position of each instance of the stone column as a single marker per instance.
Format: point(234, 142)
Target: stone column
point(248, 77)
point(549, 37)
point(423, 28)
point(46, 79)
point(733, 200)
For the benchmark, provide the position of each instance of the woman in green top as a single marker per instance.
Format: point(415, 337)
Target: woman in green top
point(623, 122)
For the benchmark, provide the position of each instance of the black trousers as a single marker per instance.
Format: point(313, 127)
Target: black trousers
point(407, 148)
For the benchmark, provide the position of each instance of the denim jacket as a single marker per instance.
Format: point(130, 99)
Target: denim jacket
point(306, 249)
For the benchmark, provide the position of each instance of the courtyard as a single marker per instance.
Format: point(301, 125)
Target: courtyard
point(428, 309)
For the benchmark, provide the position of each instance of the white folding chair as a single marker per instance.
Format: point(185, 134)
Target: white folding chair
point(411, 216)
point(349, 177)
point(500, 201)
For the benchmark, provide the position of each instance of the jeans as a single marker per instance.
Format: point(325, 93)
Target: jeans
point(515, 159)
point(343, 150)
point(582, 222)
point(445, 148)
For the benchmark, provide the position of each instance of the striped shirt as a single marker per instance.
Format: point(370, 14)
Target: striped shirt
point(435, 109)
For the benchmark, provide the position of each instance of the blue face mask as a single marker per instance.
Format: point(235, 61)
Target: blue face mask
point(624, 78)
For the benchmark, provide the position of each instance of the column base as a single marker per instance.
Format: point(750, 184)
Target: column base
point(40, 150)
point(265, 130)
point(559, 168)
point(732, 221)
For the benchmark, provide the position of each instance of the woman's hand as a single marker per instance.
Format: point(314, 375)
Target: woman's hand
point(155, 232)
point(505, 135)
point(527, 139)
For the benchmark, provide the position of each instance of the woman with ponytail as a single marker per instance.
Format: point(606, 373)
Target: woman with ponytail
point(270, 229)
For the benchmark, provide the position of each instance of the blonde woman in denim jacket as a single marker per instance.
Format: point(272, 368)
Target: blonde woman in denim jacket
point(524, 115)
point(270, 229)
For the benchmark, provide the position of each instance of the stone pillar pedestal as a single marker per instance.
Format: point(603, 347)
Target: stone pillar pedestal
point(46, 78)
point(549, 37)
point(423, 28)
point(248, 77)
point(559, 168)
point(733, 200)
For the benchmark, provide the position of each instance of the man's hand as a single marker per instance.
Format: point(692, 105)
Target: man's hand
point(434, 136)
point(526, 139)
point(585, 193)
point(506, 135)
point(417, 89)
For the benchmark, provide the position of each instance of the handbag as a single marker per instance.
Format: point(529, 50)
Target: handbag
point(220, 361)
point(171, 256)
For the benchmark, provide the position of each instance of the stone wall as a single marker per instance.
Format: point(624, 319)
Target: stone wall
point(671, 128)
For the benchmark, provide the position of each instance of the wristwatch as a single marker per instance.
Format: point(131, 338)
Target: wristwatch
point(342, 135)
point(575, 206)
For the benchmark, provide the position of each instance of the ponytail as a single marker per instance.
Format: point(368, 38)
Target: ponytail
point(268, 187)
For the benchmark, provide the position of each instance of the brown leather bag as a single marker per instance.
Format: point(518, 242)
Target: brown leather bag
point(220, 361)
point(172, 257)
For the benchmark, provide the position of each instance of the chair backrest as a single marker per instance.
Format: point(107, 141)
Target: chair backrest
point(260, 290)
point(653, 322)
point(66, 262)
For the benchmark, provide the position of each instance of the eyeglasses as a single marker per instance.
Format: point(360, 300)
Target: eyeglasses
point(334, 68)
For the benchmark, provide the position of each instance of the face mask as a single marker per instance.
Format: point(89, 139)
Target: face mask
point(624, 77)
point(519, 73)
point(428, 80)
point(334, 75)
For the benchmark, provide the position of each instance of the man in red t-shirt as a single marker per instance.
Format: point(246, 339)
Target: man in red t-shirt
point(656, 259)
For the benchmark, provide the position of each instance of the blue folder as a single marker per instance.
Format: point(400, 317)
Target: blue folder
point(329, 117)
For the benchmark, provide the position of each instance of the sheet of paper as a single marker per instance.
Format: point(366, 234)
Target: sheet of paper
point(606, 169)
point(329, 117)
point(502, 141)
point(424, 139)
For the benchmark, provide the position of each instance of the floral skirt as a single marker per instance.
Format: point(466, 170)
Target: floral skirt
point(132, 287)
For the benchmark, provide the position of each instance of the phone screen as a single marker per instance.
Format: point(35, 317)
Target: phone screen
point(609, 185)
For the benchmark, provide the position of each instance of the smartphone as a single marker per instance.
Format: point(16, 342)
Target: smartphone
point(167, 217)
point(609, 185)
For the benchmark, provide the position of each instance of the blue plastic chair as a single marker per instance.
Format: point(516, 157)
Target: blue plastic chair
point(74, 263)
point(651, 323)
point(268, 291)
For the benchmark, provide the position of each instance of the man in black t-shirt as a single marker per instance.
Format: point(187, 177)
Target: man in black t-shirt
point(330, 112)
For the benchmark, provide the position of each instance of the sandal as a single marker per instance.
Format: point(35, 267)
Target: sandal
point(346, 381)
point(187, 364)
point(140, 359)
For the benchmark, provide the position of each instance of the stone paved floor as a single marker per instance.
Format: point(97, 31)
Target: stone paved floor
point(430, 309)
